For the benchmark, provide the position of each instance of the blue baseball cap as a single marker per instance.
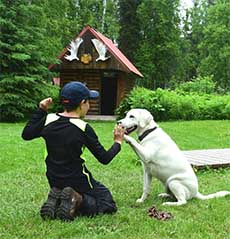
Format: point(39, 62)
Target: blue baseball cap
point(74, 92)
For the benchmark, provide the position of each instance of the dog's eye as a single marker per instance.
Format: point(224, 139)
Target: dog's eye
point(131, 116)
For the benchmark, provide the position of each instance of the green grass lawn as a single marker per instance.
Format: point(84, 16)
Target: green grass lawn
point(24, 188)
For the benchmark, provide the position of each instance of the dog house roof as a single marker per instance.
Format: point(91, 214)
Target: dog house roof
point(110, 47)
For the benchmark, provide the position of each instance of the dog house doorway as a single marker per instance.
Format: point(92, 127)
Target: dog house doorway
point(108, 95)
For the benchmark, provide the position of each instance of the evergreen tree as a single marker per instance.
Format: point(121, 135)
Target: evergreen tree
point(130, 28)
point(57, 26)
point(193, 34)
point(159, 54)
point(187, 48)
point(111, 20)
point(23, 67)
point(102, 15)
point(198, 18)
point(215, 46)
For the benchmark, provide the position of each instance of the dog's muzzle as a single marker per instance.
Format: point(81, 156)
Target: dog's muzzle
point(131, 129)
point(127, 130)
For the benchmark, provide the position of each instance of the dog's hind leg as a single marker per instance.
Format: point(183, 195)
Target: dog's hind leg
point(146, 186)
point(164, 195)
point(179, 192)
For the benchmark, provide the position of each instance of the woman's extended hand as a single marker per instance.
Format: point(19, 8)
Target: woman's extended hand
point(118, 134)
point(44, 104)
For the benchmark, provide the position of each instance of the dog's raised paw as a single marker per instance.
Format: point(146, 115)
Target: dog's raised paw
point(128, 139)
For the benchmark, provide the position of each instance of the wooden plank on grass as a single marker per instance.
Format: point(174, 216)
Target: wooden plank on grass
point(213, 158)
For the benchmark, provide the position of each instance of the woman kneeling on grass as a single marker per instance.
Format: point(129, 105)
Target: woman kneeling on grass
point(74, 191)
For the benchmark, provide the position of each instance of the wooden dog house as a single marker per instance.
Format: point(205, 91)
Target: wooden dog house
point(95, 60)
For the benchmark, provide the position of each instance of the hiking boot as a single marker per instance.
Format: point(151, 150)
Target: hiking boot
point(70, 203)
point(49, 208)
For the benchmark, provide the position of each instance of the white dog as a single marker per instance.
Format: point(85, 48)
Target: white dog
point(161, 158)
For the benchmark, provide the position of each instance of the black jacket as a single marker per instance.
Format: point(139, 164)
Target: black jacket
point(66, 138)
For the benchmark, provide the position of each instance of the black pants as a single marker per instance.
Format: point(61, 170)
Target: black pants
point(97, 200)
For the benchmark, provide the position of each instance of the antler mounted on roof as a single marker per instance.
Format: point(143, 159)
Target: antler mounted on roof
point(74, 46)
point(101, 49)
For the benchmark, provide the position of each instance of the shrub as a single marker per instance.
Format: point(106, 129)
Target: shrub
point(140, 98)
point(174, 105)
point(199, 85)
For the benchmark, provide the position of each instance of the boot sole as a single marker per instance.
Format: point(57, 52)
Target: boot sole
point(48, 209)
point(66, 205)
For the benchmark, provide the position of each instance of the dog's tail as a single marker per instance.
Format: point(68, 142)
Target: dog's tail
point(213, 195)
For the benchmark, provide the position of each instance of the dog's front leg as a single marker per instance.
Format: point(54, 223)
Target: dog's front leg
point(138, 149)
point(146, 186)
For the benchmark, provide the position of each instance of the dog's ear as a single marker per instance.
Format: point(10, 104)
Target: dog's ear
point(147, 118)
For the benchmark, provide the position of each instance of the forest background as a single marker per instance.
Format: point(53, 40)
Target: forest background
point(168, 47)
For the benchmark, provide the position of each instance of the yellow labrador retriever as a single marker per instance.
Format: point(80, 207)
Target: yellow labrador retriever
point(161, 158)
